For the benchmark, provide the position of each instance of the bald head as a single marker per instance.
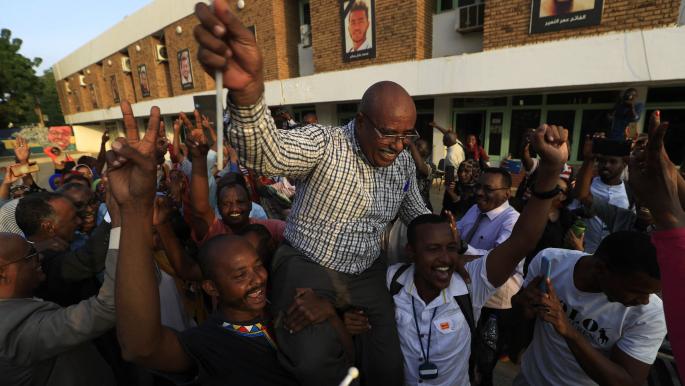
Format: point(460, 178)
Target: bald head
point(385, 112)
point(449, 139)
point(12, 246)
point(389, 99)
point(214, 250)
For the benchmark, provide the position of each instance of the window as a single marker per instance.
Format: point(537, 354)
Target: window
point(666, 94)
point(521, 122)
point(479, 102)
point(578, 98)
point(305, 23)
point(444, 5)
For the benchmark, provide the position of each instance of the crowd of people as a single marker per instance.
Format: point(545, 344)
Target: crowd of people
point(154, 265)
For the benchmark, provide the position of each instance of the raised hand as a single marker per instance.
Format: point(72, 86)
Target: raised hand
point(459, 262)
point(197, 133)
point(22, 150)
point(227, 46)
point(162, 211)
point(105, 136)
point(654, 178)
point(132, 163)
point(549, 141)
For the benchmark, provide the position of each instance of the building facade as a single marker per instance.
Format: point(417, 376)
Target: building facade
point(492, 68)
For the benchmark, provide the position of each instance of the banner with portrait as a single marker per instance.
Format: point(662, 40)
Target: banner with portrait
point(358, 29)
point(185, 68)
point(144, 83)
point(557, 15)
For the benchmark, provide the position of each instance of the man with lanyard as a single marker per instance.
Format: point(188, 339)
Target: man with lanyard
point(435, 311)
point(352, 182)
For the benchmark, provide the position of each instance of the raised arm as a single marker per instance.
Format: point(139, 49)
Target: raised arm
point(439, 128)
point(549, 143)
point(100, 162)
point(584, 178)
point(132, 175)
point(656, 182)
point(421, 165)
point(226, 45)
point(184, 267)
point(203, 212)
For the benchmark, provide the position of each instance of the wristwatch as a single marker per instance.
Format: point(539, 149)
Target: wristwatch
point(546, 195)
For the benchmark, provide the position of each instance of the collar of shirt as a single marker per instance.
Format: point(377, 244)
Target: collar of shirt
point(350, 132)
point(497, 211)
point(457, 287)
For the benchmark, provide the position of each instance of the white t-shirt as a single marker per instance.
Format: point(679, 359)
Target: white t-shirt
point(450, 337)
point(637, 331)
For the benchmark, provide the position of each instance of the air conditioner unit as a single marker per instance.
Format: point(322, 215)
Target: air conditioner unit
point(161, 53)
point(126, 64)
point(82, 80)
point(471, 17)
point(306, 35)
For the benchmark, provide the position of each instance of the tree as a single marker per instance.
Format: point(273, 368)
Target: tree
point(19, 85)
point(49, 101)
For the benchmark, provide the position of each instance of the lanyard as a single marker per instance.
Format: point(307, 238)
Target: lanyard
point(426, 354)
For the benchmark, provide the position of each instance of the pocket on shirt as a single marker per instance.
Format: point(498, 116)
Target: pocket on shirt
point(446, 325)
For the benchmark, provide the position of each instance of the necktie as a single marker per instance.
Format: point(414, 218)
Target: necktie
point(474, 228)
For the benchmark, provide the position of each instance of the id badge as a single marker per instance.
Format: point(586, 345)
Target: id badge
point(428, 371)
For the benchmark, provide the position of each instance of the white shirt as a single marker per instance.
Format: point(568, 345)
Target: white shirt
point(492, 231)
point(365, 46)
point(450, 337)
point(637, 331)
point(596, 229)
point(455, 155)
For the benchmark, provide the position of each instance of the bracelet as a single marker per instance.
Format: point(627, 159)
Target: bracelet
point(545, 195)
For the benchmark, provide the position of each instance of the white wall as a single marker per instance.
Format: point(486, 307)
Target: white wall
point(447, 41)
point(305, 60)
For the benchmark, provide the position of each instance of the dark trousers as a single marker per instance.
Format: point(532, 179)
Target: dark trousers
point(487, 359)
point(315, 355)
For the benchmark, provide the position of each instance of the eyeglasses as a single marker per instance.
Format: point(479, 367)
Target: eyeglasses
point(32, 257)
point(486, 189)
point(392, 137)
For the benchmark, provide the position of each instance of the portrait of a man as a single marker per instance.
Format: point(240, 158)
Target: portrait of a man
point(185, 69)
point(144, 84)
point(558, 15)
point(358, 29)
point(115, 90)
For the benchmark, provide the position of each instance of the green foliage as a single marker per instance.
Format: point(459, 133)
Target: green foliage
point(19, 85)
point(49, 101)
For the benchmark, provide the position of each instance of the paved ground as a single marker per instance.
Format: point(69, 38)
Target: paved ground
point(505, 372)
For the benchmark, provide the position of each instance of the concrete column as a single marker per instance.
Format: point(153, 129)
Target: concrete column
point(442, 114)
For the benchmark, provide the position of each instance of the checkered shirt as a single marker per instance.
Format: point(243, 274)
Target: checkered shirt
point(343, 204)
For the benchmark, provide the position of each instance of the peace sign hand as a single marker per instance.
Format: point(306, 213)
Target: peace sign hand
point(131, 163)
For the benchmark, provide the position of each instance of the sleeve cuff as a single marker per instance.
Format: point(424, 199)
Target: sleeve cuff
point(114, 235)
point(246, 112)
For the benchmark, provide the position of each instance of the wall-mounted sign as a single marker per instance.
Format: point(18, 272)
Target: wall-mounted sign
point(185, 69)
point(144, 84)
point(557, 15)
point(358, 29)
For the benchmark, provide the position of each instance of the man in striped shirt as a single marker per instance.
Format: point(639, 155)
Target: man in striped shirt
point(352, 182)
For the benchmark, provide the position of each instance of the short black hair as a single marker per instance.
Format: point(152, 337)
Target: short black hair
point(33, 209)
point(360, 6)
point(87, 160)
point(72, 186)
point(629, 252)
point(211, 251)
point(230, 180)
point(422, 220)
point(506, 176)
